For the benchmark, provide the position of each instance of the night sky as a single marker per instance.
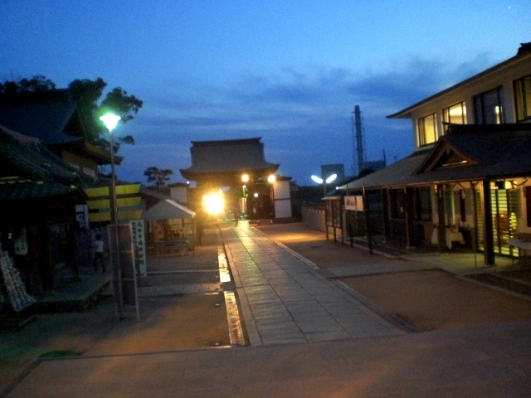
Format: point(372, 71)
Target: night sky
point(288, 71)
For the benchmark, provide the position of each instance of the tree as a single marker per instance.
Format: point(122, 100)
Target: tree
point(158, 176)
point(86, 93)
point(37, 84)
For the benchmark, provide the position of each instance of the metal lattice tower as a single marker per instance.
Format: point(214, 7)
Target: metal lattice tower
point(358, 141)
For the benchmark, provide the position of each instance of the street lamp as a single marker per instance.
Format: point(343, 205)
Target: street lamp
point(245, 178)
point(328, 180)
point(111, 120)
point(272, 179)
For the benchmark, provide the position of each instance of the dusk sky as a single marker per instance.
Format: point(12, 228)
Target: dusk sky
point(287, 71)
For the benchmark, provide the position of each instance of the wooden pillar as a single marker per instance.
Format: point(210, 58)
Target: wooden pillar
point(327, 211)
point(441, 228)
point(366, 211)
point(385, 214)
point(71, 247)
point(46, 266)
point(410, 218)
point(488, 233)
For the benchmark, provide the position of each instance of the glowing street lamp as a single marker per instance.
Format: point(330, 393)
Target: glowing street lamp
point(111, 120)
point(328, 180)
point(214, 203)
point(243, 201)
point(272, 179)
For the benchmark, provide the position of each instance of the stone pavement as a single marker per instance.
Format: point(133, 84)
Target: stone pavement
point(309, 338)
point(285, 300)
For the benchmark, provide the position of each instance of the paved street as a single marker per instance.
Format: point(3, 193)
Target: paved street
point(285, 300)
point(308, 338)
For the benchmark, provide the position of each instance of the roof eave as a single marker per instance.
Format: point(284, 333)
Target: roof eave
point(405, 113)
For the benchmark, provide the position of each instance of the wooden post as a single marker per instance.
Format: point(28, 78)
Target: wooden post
point(488, 233)
point(410, 219)
point(385, 214)
point(441, 228)
point(366, 211)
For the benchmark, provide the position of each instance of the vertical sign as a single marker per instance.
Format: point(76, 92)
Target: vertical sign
point(123, 268)
point(139, 244)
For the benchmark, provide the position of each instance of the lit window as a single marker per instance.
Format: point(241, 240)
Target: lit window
point(427, 131)
point(455, 114)
point(522, 98)
point(488, 107)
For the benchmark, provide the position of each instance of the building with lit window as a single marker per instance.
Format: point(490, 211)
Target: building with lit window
point(468, 180)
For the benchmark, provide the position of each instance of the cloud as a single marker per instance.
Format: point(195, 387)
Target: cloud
point(304, 118)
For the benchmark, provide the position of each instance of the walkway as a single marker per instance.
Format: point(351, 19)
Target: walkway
point(286, 300)
point(283, 299)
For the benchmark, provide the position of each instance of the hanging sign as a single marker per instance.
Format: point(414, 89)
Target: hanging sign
point(354, 203)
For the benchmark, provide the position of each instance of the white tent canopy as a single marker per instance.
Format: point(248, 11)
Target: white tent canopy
point(167, 209)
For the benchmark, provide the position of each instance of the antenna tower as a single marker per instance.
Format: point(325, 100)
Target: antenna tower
point(358, 141)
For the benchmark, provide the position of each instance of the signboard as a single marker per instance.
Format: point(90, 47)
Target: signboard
point(354, 203)
point(82, 216)
point(139, 245)
point(124, 284)
point(127, 203)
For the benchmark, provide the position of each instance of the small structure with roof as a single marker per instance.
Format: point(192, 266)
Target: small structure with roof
point(257, 193)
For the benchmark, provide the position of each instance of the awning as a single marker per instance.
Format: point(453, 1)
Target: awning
point(167, 209)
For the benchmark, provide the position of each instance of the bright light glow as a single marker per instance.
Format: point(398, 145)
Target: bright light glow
point(331, 178)
point(271, 179)
point(213, 203)
point(255, 195)
point(317, 179)
point(110, 120)
point(245, 177)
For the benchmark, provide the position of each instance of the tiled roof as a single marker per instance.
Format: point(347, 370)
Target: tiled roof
point(29, 170)
point(228, 156)
point(53, 118)
point(396, 174)
point(501, 151)
point(28, 189)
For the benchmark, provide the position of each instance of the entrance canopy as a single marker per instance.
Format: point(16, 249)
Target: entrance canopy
point(167, 209)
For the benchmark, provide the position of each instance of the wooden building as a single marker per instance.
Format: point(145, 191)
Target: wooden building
point(468, 180)
point(240, 164)
point(46, 164)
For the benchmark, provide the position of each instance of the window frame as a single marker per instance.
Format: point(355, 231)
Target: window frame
point(446, 113)
point(522, 98)
point(481, 111)
point(397, 204)
point(421, 130)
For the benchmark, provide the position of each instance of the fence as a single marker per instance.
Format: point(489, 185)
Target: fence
point(314, 217)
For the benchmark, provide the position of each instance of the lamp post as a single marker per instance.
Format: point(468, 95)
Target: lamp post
point(272, 179)
point(111, 120)
point(328, 180)
point(243, 206)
